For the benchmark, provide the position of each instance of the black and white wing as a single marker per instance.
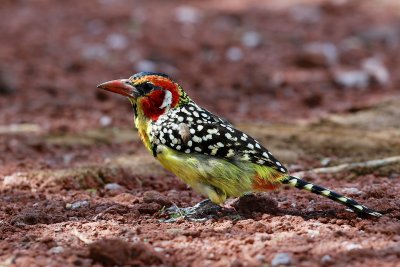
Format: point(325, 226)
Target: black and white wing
point(191, 129)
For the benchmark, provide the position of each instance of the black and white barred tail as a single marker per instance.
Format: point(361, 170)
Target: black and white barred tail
point(319, 190)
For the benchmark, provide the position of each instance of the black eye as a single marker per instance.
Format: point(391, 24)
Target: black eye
point(147, 87)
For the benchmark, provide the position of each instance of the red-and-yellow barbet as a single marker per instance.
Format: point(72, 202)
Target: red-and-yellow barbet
point(206, 152)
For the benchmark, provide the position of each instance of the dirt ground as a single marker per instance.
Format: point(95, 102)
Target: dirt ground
point(317, 82)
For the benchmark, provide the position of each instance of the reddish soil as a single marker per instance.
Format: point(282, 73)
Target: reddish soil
point(77, 187)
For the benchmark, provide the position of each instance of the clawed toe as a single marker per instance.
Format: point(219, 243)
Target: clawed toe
point(200, 212)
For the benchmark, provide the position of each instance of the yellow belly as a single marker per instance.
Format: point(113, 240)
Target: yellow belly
point(212, 177)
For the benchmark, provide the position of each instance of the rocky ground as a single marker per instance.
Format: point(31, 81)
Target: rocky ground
point(315, 81)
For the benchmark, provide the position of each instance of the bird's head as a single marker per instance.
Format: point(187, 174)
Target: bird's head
point(152, 94)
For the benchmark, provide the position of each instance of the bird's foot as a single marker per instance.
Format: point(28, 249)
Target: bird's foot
point(200, 212)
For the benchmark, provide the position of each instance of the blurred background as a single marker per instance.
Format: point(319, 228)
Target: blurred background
point(315, 81)
point(245, 60)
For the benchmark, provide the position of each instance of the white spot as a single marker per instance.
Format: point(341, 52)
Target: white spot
point(191, 108)
point(167, 100)
point(192, 131)
point(189, 143)
point(198, 149)
point(265, 154)
point(180, 118)
point(200, 127)
point(189, 119)
point(214, 151)
point(260, 161)
point(258, 146)
point(245, 157)
point(243, 138)
point(278, 163)
point(178, 147)
point(165, 130)
point(195, 113)
point(282, 170)
point(187, 151)
point(293, 182)
point(196, 139)
point(212, 131)
point(250, 146)
point(231, 153)
point(220, 144)
point(204, 115)
point(228, 135)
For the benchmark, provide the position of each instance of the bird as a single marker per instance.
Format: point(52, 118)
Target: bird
point(206, 151)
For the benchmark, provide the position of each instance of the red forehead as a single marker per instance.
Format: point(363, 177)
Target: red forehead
point(162, 82)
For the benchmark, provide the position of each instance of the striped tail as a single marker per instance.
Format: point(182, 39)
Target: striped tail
point(350, 203)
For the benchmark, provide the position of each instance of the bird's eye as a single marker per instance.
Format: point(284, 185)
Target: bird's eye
point(147, 87)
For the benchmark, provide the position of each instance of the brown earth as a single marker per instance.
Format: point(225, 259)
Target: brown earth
point(77, 188)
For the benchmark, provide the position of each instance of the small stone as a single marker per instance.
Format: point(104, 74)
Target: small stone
point(352, 246)
point(77, 205)
point(112, 186)
point(234, 54)
point(376, 70)
point(96, 51)
point(305, 13)
point(326, 259)
point(117, 41)
point(156, 197)
point(148, 208)
point(105, 121)
point(351, 191)
point(318, 55)
point(251, 39)
point(56, 250)
point(351, 78)
point(187, 14)
point(281, 259)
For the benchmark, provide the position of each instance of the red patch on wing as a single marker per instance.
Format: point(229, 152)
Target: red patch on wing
point(169, 85)
point(262, 184)
point(151, 104)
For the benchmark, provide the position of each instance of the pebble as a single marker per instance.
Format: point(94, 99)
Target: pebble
point(351, 78)
point(281, 259)
point(96, 51)
point(234, 54)
point(305, 13)
point(351, 191)
point(117, 41)
point(105, 121)
point(187, 14)
point(251, 39)
point(156, 197)
point(56, 250)
point(318, 54)
point(77, 205)
point(326, 259)
point(376, 70)
point(112, 186)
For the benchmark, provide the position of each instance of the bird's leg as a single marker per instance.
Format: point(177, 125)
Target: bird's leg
point(202, 211)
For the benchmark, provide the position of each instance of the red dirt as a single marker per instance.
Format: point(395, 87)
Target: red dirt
point(78, 189)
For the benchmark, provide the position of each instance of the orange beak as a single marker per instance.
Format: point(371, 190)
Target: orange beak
point(122, 87)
